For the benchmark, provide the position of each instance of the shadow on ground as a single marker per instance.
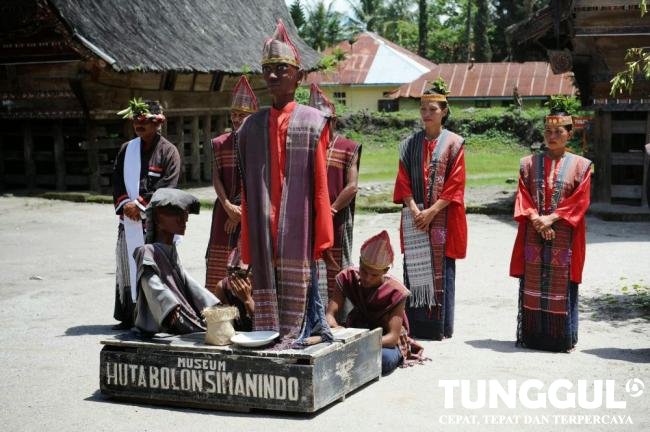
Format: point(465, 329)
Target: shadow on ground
point(91, 330)
point(503, 346)
point(638, 355)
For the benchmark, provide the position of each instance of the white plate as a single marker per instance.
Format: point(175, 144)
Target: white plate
point(255, 338)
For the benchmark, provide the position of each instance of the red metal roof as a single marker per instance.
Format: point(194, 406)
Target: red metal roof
point(360, 58)
point(493, 80)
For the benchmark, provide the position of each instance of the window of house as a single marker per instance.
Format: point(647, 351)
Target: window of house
point(340, 97)
point(388, 105)
point(482, 103)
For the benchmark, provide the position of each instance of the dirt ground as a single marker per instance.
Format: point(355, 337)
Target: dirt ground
point(57, 263)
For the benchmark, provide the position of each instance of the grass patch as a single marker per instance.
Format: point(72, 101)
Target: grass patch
point(380, 202)
point(490, 158)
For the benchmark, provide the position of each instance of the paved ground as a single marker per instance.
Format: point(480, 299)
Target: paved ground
point(56, 300)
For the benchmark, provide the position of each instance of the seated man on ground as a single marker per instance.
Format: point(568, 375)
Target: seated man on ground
point(378, 300)
point(236, 290)
point(168, 300)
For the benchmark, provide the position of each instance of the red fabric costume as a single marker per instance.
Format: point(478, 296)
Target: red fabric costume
point(453, 191)
point(324, 233)
point(572, 209)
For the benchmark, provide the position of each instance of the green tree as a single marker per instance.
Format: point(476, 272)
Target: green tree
point(468, 31)
point(323, 27)
point(446, 37)
point(297, 15)
point(368, 13)
point(482, 51)
point(397, 23)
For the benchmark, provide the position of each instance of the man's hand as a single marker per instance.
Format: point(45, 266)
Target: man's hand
point(230, 226)
point(241, 288)
point(132, 211)
point(330, 261)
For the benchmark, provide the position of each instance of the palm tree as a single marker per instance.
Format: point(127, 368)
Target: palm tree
point(368, 13)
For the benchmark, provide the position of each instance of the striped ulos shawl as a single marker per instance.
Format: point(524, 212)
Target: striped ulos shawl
point(280, 282)
point(221, 244)
point(340, 155)
point(426, 192)
point(547, 262)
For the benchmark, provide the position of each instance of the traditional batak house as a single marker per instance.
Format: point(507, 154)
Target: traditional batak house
point(67, 66)
point(590, 38)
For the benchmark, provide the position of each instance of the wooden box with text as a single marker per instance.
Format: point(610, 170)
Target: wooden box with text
point(183, 371)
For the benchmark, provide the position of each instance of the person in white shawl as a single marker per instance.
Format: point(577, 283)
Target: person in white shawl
point(143, 165)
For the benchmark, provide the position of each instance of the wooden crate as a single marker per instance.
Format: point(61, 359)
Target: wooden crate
point(183, 371)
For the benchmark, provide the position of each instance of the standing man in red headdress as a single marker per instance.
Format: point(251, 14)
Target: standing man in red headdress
point(343, 156)
point(286, 216)
point(226, 180)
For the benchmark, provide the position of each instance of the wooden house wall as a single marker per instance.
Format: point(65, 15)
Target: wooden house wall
point(59, 130)
point(603, 31)
point(58, 122)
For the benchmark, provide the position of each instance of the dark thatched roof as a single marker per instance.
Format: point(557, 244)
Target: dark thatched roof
point(180, 35)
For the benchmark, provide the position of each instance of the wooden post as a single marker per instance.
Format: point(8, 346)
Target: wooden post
point(93, 156)
point(180, 144)
point(605, 173)
point(600, 182)
point(646, 165)
point(195, 155)
point(28, 147)
point(207, 147)
point(59, 156)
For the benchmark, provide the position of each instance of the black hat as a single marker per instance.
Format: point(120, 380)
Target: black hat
point(168, 197)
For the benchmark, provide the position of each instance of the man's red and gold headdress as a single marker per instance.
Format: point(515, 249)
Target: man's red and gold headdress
point(243, 97)
point(280, 49)
point(377, 253)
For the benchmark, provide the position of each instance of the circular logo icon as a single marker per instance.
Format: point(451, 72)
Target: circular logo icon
point(634, 387)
